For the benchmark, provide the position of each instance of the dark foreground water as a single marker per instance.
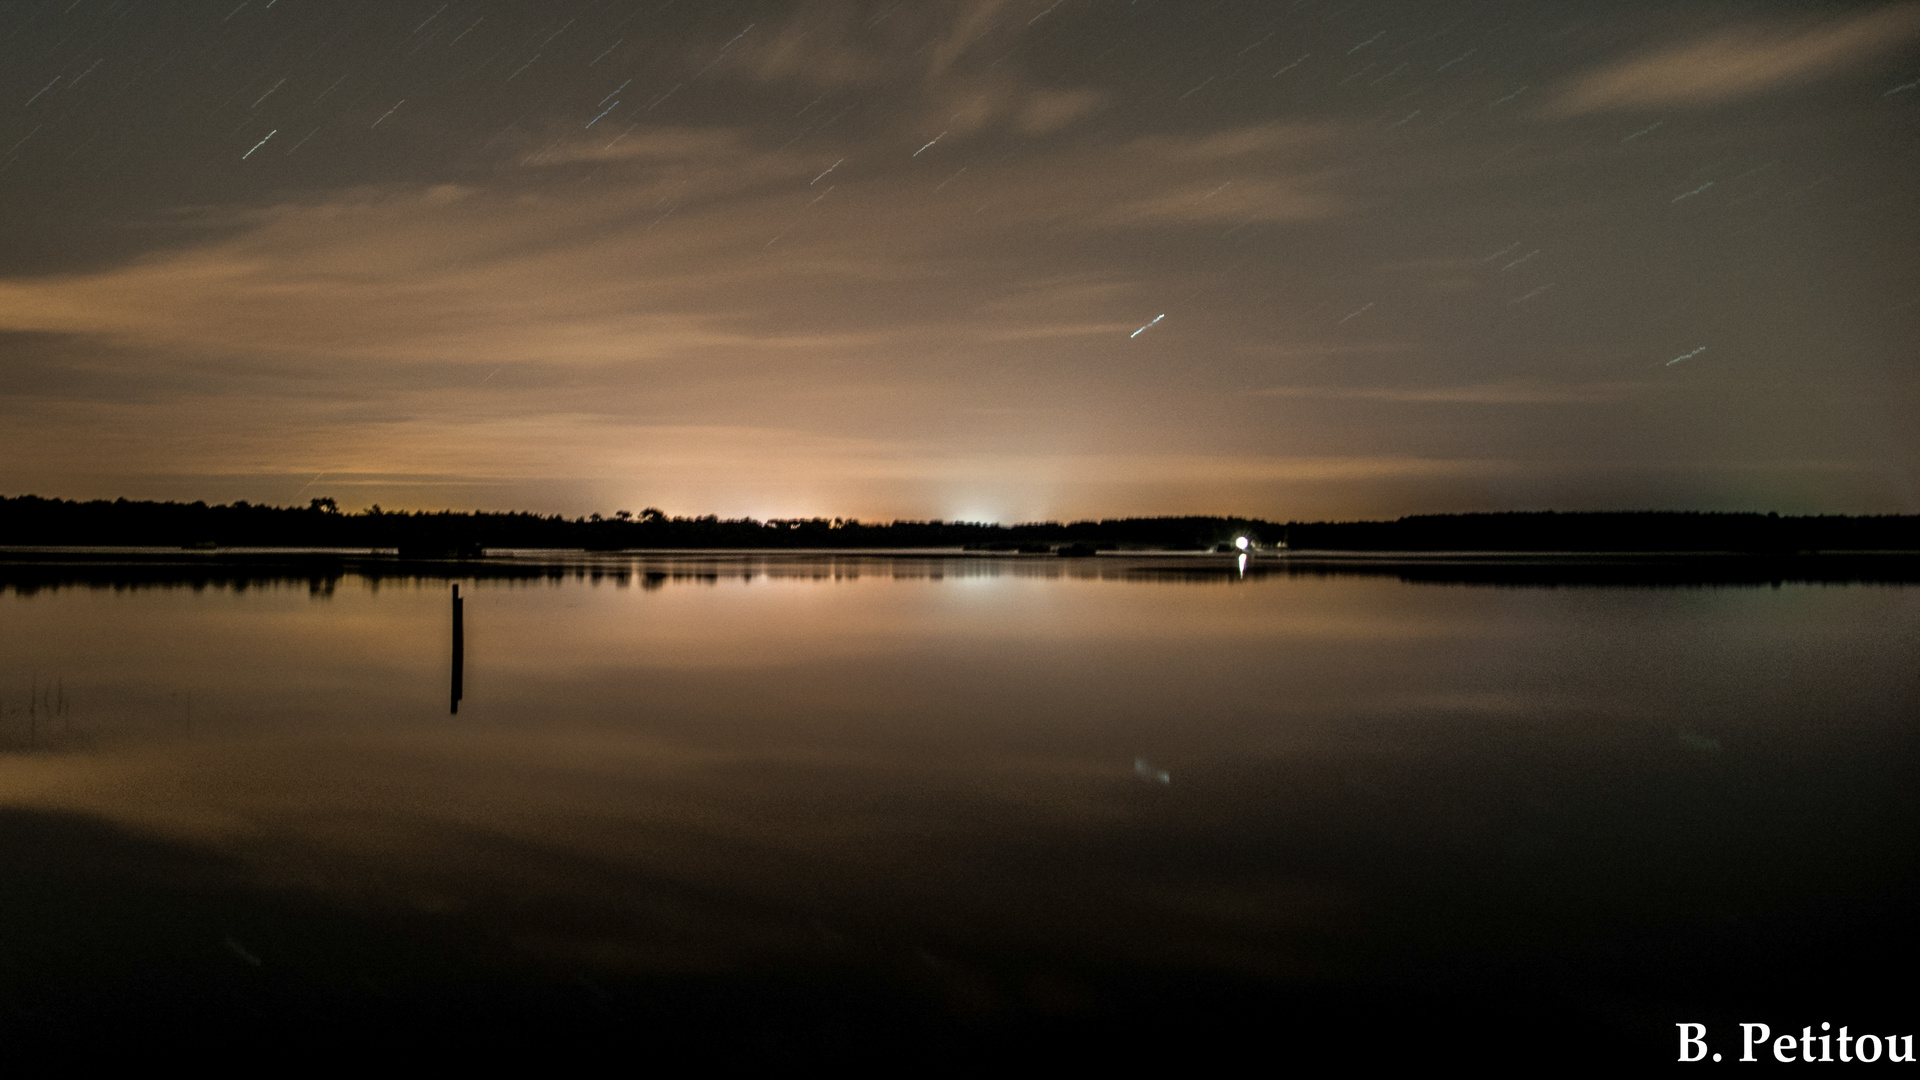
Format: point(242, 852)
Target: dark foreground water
point(953, 812)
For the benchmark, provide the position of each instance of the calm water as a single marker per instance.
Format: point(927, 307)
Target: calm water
point(963, 803)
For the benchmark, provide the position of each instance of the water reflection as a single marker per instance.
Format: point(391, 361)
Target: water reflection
point(459, 651)
point(979, 777)
point(26, 571)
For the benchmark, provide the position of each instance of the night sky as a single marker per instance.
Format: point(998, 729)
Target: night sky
point(984, 261)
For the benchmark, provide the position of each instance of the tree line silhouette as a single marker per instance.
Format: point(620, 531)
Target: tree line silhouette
point(31, 520)
point(1633, 531)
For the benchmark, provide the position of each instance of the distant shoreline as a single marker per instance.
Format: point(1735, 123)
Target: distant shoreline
point(30, 521)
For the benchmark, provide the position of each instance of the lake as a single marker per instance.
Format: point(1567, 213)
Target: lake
point(943, 809)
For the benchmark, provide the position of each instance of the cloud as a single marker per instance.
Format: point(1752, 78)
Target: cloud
point(447, 275)
point(1263, 173)
point(1239, 142)
point(974, 24)
point(1057, 331)
point(932, 62)
point(655, 144)
point(1505, 393)
point(1171, 468)
point(1735, 63)
point(1245, 200)
point(834, 45)
point(693, 242)
point(817, 45)
point(1050, 110)
point(436, 442)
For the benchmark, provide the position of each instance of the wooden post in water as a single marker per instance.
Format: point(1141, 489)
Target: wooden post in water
point(459, 650)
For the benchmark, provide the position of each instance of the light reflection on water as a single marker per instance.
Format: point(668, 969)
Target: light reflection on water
point(710, 761)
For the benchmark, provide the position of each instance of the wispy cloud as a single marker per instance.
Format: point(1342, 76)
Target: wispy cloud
point(1251, 199)
point(1251, 141)
point(1504, 393)
point(1046, 111)
point(838, 44)
point(1735, 63)
point(434, 275)
point(718, 146)
point(670, 260)
point(936, 62)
